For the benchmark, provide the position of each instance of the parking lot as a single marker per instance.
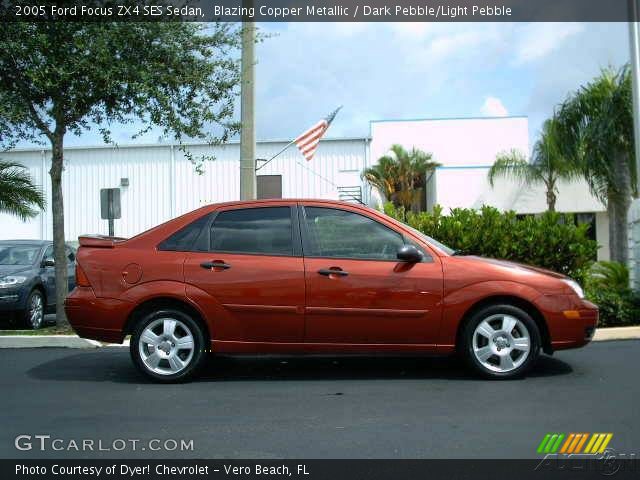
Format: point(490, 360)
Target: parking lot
point(317, 407)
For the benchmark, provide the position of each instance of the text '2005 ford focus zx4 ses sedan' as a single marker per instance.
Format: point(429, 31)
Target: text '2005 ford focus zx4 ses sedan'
point(306, 276)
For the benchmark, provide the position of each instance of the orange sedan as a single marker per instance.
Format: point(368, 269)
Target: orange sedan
point(310, 277)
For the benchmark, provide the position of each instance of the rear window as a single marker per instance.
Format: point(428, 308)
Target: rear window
point(184, 239)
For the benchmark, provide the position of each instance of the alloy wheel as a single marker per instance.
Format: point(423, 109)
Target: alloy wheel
point(501, 343)
point(36, 311)
point(166, 346)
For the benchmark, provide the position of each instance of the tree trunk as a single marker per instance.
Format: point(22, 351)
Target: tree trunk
point(551, 200)
point(618, 203)
point(57, 207)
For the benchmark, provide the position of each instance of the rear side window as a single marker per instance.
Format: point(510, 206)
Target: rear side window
point(184, 239)
point(265, 231)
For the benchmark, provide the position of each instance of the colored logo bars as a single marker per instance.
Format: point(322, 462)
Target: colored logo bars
point(574, 443)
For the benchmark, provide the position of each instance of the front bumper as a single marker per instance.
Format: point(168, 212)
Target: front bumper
point(571, 320)
point(12, 300)
point(100, 319)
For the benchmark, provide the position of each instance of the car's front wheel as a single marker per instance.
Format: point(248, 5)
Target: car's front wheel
point(34, 312)
point(501, 341)
point(168, 346)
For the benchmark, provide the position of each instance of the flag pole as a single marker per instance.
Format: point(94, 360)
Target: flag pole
point(281, 151)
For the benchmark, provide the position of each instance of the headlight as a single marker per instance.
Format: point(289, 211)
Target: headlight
point(575, 286)
point(11, 280)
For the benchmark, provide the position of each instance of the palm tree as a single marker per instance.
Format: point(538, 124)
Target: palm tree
point(400, 175)
point(18, 194)
point(546, 167)
point(597, 127)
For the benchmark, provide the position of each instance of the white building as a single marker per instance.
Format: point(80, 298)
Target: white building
point(157, 182)
point(466, 148)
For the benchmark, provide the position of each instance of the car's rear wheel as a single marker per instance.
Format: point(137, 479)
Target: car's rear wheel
point(34, 311)
point(168, 346)
point(501, 341)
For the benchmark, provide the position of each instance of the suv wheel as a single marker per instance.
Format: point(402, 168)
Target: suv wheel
point(501, 341)
point(34, 312)
point(168, 346)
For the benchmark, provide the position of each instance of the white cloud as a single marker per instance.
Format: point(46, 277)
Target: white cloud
point(412, 29)
point(451, 44)
point(493, 107)
point(537, 40)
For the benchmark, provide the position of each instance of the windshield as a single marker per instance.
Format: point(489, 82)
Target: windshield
point(18, 254)
point(433, 241)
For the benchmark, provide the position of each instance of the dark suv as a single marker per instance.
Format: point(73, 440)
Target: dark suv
point(27, 280)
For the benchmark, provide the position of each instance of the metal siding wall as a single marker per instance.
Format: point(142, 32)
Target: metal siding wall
point(335, 163)
point(160, 189)
point(12, 227)
point(220, 181)
point(145, 202)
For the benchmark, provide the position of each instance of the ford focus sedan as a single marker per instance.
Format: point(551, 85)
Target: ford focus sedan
point(315, 277)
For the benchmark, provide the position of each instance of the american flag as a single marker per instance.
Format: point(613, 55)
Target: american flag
point(308, 141)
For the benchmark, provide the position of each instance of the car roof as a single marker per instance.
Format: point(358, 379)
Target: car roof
point(289, 200)
point(35, 243)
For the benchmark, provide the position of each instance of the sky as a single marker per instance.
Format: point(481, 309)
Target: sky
point(416, 70)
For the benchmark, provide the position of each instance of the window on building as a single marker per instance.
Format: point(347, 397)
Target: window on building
point(590, 220)
point(350, 194)
point(266, 231)
point(268, 186)
point(340, 234)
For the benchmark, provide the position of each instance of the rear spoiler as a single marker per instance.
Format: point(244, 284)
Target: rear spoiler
point(99, 241)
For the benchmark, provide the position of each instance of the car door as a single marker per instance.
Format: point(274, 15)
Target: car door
point(357, 290)
point(48, 276)
point(253, 268)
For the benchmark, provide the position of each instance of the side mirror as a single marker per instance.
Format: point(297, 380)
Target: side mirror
point(409, 253)
point(49, 262)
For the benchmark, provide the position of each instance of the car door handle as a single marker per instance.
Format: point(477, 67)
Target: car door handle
point(332, 271)
point(216, 264)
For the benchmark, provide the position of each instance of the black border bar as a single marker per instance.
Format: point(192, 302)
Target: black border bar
point(319, 10)
point(548, 468)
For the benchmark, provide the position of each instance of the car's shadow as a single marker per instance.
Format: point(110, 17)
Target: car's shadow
point(107, 365)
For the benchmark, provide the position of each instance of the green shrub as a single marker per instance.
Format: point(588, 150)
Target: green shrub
point(550, 240)
point(607, 285)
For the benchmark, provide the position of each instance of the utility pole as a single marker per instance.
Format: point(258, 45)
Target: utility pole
point(634, 41)
point(247, 114)
point(634, 217)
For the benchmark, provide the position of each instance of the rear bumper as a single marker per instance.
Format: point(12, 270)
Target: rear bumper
point(100, 319)
point(571, 321)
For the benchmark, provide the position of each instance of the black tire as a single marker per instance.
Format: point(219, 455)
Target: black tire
point(195, 362)
point(494, 313)
point(33, 316)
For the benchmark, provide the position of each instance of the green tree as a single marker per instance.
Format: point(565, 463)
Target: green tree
point(18, 194)
point(400, 175)
point(547, 166)
point(67, 77)
point(597, 130)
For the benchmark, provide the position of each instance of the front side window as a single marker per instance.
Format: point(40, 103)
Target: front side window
point(265, 231)
point(341, 234)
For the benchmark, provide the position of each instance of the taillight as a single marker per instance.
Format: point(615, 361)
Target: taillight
point(81, 277)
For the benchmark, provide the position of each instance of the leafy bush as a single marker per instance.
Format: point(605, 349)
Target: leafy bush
point(550, 240)
point(607, 285)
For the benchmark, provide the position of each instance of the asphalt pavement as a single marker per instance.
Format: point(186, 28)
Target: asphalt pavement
point(275, 407)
